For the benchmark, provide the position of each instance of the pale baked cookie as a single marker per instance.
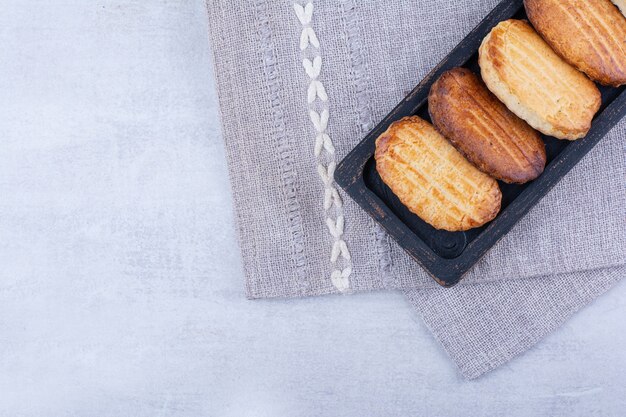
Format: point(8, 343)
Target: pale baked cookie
point(535, 83)
point(432, 179)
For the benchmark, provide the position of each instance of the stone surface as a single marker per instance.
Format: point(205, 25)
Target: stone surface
point(121, 289)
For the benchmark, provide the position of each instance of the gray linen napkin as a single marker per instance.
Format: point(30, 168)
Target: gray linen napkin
point(300, 84)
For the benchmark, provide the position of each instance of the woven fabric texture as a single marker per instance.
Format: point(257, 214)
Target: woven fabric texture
point(299, 86)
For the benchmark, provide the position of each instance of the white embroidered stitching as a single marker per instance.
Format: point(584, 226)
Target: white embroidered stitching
point(333, 205)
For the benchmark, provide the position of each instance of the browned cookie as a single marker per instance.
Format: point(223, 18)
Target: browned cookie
point(432, 179)
point(621, 4)
point(535, 83)
point(494, 139)
point(590, 35)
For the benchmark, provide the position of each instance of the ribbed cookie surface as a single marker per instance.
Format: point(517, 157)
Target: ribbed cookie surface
point(432, 179)
point(521, 69)
point(590, 35)
point(493, 138)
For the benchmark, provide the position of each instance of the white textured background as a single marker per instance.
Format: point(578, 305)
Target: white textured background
point(121, 289)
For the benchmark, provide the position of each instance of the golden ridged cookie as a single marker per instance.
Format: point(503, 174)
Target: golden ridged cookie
point(535, 83)
point(495, 140)
point(432, 179)
point(621, 4)
point(590, 35)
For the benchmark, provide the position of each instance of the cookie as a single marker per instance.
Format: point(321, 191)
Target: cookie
point(432, 179)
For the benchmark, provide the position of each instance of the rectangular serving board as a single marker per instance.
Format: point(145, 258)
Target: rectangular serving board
point(447, 256)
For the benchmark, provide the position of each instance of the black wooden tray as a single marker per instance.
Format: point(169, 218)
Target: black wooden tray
point(447, 256)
